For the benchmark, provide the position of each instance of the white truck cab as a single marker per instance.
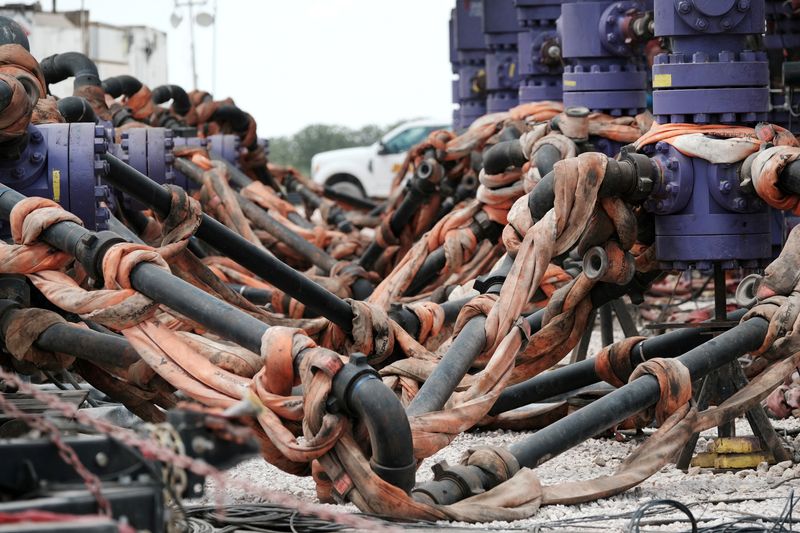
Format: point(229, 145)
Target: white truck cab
point(369, 170)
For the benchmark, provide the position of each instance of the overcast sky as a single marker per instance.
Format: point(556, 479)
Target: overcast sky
point(296, 62)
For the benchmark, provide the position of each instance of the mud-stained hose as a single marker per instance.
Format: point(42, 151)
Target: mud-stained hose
point(316, 298)
point(76, 109)
point(374, 403)
point(180, 100)
point(59, 67)
point(469, 343)
point(121, 85)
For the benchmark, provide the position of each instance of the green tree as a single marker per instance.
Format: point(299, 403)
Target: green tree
point(298, 149)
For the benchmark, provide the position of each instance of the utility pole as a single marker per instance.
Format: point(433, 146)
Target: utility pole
point(176, 20)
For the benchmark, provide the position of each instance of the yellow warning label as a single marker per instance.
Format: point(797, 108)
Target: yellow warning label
point(662, 80)
point(570, 83)
point(57, 185)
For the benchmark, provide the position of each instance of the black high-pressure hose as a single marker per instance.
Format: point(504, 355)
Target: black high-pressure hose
point(229, 114)
point(581, 374)
point(59, 67)
point(82, 343)
point(503, 155)
point(239, 121)
point(180, 100)
point(362, 288)
point(12, 33)
point(622, 179)
point(6, 92)
point(321, 301)
point(419, 189)
point(121, 85)
point(601, 414)
point(76, 109)
point(357, 387)
point(546, 157)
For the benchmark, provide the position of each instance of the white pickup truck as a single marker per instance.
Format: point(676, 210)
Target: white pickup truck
point(369, 170)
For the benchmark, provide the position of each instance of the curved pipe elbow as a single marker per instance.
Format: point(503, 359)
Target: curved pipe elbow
point(12, 33)
point(6, 93)
point(789, 178)
point(389, 431)
point(503, 155)
point(121, 85)
point(59, 67)
point(238, 120)
point(542, 198)
point(546, 157)
point(359, 390)
point(76, 109)
point(180, 100)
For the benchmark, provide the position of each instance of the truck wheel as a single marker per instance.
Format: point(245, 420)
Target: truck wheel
point(348, 185)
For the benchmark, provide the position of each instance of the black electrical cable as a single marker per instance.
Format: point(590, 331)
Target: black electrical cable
point(640, 513)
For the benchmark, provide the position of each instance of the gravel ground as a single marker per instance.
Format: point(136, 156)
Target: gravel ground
point(722, 496)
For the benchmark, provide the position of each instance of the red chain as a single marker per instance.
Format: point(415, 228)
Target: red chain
point(153, 451)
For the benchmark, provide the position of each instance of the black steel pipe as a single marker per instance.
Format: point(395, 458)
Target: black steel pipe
point(76, 109)
point(582, 373)
point(116, 225)
point(12, 33)
point(417, 193)
point(259, 261)
point(635, 396)
point(254, 295)
point(621, 180)
point(408, 320)
point(59, 67)
point(336, 216)
point(360, 203)
point(361, 287)
point(368, 400)
point(180, 100)
point(460, 356)
point(503, 155)
point(78, 342)
point(437, 259)
point(607, 411)
point(117, 86)
point(233, 324)
point(240, 180)
point(430, 268)
point(546, 157)
point(451, 369)
point(266, 222)
point(6, 92)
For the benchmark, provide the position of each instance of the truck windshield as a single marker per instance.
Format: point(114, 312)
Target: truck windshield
point(404, 140)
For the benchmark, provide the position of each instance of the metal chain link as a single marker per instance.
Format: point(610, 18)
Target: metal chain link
point(155, 451)
point(65, 451)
